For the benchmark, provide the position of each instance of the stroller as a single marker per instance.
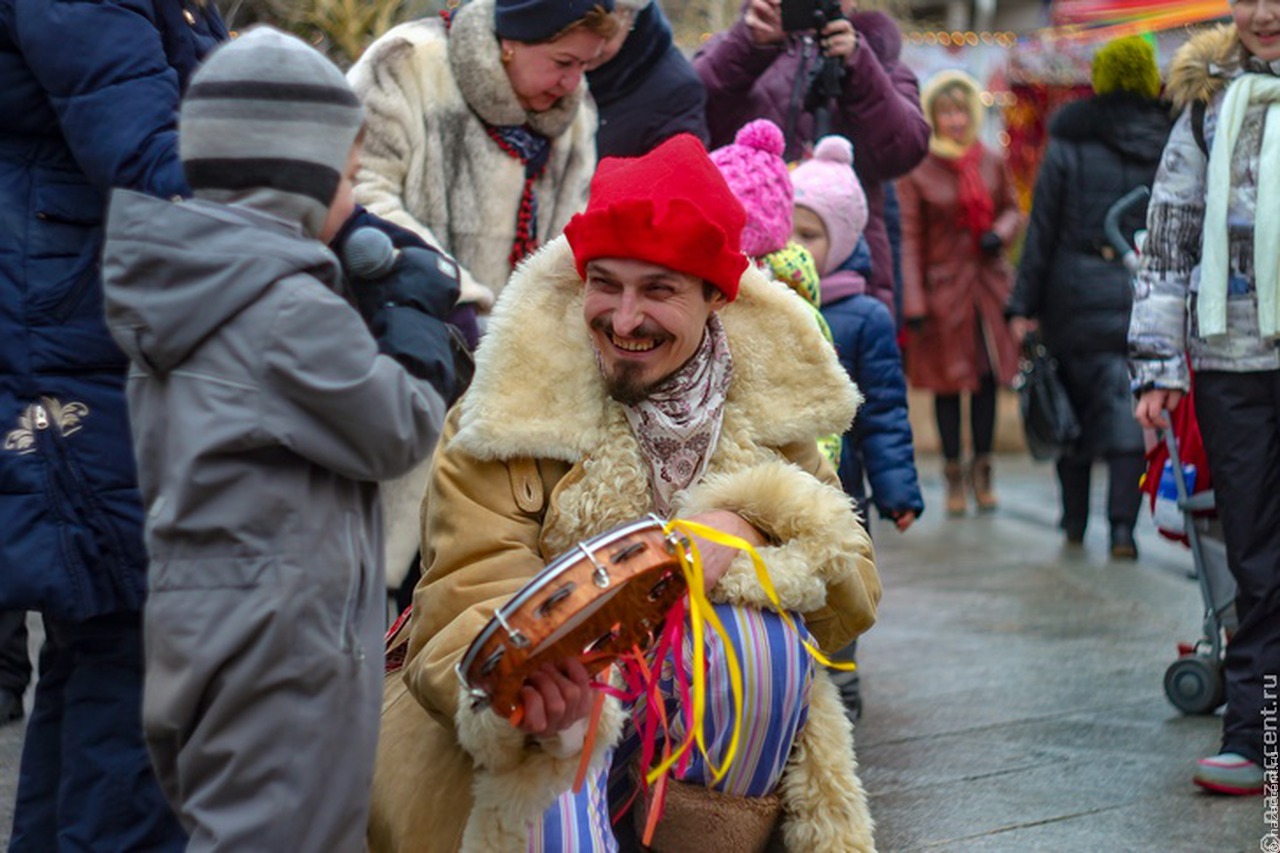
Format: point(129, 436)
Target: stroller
point(1193, 683)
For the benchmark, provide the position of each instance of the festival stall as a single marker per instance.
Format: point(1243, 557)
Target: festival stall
point(1026, 77)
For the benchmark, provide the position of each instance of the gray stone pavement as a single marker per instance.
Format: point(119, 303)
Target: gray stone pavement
point(1013, 689)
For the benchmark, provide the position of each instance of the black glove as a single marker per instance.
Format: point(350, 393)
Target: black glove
point(990, 244)
point(405, 304)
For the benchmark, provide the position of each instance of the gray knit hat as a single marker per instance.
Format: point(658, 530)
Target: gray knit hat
point(268, 122)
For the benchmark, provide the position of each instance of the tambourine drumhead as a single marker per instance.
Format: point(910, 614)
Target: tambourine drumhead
point(594, 602)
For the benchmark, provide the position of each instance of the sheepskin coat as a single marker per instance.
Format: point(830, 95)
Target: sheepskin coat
point(1164, 325)
point(428, 163)
point(537, 457)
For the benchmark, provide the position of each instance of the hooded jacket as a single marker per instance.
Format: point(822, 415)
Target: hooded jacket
point(1164, 325)
point(1069, 277)
point(89, 96)
point(538, 457)
point(648, 92)
point(878, 110)
point(428, 163)
point(256, 393)
point(878, 447)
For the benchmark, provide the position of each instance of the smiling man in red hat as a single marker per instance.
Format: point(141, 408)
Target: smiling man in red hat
point(637, 365)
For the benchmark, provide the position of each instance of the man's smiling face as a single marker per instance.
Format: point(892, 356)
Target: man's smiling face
point(645, 320)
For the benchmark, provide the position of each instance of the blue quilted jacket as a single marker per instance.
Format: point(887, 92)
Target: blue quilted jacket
point(878, 446)
point(89, 96)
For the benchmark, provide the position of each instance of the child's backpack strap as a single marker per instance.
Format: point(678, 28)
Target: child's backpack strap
point(1197, 125)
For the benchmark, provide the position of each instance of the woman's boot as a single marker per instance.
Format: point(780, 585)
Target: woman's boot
point(981, 479)
point(957, 501)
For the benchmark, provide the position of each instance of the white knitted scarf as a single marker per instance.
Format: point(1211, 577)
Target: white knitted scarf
point(1215, 261)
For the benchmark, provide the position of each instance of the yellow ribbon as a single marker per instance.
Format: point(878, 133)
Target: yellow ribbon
point(701, 613)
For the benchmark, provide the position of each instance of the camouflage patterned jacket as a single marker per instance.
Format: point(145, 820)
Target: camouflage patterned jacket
point(1163, 326)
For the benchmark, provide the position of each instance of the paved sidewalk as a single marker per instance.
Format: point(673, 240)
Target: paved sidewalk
point(1013, 690)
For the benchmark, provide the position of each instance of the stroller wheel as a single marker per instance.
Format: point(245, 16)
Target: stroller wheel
point(1194, 684)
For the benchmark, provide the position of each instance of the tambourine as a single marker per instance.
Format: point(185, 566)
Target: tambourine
point(601, 599)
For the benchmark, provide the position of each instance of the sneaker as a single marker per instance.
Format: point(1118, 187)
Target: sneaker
point(1229, 773)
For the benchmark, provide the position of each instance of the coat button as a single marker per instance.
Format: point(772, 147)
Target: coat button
point(191, 19)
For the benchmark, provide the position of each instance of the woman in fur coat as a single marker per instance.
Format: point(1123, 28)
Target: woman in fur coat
point(959, 213)
point(1207, 294)
point(480, 139)
point(480, 136)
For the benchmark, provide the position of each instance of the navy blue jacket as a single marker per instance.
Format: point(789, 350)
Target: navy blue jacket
point(878, 446)
point(648, 92)
point(89, 95)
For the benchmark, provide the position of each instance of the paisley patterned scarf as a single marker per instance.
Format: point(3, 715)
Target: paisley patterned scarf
point(678, 425)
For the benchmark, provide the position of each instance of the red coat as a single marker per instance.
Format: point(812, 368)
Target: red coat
point(949, 285)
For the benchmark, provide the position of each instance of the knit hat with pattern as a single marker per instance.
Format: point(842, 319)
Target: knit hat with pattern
point(755, 171)
point(829, 187)
point(268, 123)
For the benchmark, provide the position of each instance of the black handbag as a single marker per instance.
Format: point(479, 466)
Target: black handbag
point(1048, 418)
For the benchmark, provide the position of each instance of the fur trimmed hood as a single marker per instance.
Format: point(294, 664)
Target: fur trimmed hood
point(537, 330)
point(1131, 125)
point(1204, 66)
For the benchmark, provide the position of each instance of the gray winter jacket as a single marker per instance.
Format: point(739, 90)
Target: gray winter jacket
point(262, 413)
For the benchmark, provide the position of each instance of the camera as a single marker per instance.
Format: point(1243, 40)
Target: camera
point(800, 15)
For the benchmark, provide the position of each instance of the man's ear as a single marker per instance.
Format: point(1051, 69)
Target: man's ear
point(715, 296)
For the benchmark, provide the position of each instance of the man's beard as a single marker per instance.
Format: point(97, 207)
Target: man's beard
point(627, 386)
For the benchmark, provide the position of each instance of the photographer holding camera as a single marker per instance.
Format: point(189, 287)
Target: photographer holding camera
point(806, 63)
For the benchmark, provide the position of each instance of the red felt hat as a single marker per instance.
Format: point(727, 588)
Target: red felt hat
point(670, 207)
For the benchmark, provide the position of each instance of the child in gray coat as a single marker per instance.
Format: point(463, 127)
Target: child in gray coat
point(263, 416)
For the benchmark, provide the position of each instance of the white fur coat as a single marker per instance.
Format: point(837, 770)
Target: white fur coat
point(429, 165)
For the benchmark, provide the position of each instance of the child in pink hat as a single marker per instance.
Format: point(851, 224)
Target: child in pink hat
point(829, 217)
point(754, 169)
point(826, 189)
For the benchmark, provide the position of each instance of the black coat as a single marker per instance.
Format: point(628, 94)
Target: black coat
point(1068, 278)
point(648, 92)
point(1099, 149)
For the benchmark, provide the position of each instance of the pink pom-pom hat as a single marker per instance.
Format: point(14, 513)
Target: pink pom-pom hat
point(829, 187)
point(754, 169)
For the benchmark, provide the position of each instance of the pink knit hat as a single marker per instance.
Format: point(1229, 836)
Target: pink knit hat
point(757, 174)
point(829, 187)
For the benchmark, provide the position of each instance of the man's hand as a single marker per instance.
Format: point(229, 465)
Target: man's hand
point(839, 39)
point(903, 519)
point(764, 21)
point(716, 558)
point(554, 698)
point(1152, 405)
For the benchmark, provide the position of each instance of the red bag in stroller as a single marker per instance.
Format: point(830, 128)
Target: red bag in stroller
point(1186, 431)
